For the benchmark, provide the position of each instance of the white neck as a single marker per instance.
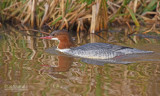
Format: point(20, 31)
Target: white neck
point(63, 50)
point(55, 39)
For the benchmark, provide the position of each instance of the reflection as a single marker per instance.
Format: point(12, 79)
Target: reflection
point(104, 61)
point(149, 38)
point(125, 59)
point(16, 87)
point(64, 64)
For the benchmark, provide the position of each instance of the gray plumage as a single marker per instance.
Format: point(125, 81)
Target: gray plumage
point(102, 51)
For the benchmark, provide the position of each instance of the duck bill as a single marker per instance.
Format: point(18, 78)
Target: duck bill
point(47, 37)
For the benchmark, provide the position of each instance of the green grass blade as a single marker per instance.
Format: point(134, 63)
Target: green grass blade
point(67, 5)
point(151, 6)
point(133, 15)
point(59, 18)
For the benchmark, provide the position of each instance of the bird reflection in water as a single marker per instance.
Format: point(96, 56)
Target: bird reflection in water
point(64, 64)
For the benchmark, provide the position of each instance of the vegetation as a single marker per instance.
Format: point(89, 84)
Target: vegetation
point(80, 15)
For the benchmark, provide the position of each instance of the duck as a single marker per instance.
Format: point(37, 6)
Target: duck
point(90, 50)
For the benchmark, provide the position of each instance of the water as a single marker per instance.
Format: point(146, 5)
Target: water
point(28, 69)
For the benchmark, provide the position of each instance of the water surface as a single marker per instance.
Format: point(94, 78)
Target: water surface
point(28, 69)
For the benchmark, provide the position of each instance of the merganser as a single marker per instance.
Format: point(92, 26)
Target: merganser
point(90, 50)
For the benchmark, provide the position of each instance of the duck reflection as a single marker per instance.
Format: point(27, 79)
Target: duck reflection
point(63, 64)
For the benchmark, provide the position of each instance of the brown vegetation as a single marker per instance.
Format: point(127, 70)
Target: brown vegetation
point(81, 15)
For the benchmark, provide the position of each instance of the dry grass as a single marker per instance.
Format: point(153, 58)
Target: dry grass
point(81, 15)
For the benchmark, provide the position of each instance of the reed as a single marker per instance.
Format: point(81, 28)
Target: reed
point(81, 15)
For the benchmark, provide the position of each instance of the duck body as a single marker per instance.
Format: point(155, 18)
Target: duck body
point(90, 50)
point(100, 51)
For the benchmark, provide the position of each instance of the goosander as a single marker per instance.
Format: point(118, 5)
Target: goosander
point(90, 50)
